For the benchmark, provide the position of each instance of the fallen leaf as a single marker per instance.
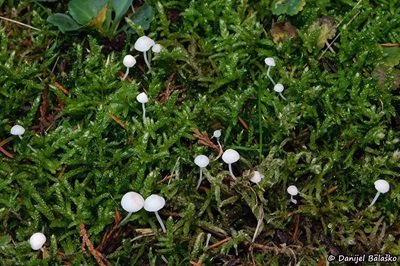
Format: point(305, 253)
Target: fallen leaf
point(281, 31)
point(327, 30)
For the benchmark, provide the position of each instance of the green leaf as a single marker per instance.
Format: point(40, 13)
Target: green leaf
point(144, 16)
point(391, 56)
point(121, 7)
point(288, 7)
point(63, 22)
point(83, 11)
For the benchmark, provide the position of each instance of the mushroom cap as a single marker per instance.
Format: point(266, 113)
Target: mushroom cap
point(269, 61)
point(201, 161)
point(217, 133)
point(154, 203)
point(37, 240)
point(382, 186)
point(278, 87)
point(292, 190)
point(230, 156)
point(143, 44)
point(156, 48)
point(257, 177)
point(129, 61)
point(132, 202)
point(142, 98)
point(17, 130)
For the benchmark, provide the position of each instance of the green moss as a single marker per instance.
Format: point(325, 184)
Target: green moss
point(335, 135)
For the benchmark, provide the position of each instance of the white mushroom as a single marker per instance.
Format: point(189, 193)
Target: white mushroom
point(131, 202)
point(129, 61)
point(257, 177)
point(154, 203)
point(201, 161)
point(270, 62)
point(17, 130)
point(37, 241)
point(293, 191)
point(156, 48)
point(279, 89)
point(230, 156)
point(143, 99)
point(143, 44)
point(382, 186)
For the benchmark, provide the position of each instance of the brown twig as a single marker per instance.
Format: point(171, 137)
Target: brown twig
point(390, 44)
point(168, 177)
point(60, 175)
point(86, 242)
point(296, 229)
point(219, 243)
point(203, 139)
point(243, 123)
point(329, 191)
point(6, 153)
point(117, 120)
point(61, 88)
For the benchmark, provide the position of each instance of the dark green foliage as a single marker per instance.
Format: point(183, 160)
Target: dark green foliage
point(337, 132)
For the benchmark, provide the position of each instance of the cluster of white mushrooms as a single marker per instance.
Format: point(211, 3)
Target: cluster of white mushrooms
point(143, 44)
point(133, 202)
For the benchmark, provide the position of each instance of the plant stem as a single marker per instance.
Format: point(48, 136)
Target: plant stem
point(292, 199)
point(260, 133)
point(146, 60)
point(273, 82)
point(160, 222)
point(200, 179)
point(374, 200)
point(126, 218)
point(126, 73)
point(144, 112)
point(231, 172)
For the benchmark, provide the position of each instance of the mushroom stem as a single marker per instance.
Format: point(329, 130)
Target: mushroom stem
point(30, 147)
point(280, 94)
point(144, 112)
point(231, 172)
point(126, 218)
point(160, 222)
point(219, 144)
point(146, 60)
point(269, 68)
point(126, 74)
point(200, 179)
point(208, 240)
point(292, 199)
point(374, 200)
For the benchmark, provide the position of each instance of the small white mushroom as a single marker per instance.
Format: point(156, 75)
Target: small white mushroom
point(129, 61)
point(279, 89)
point(217, 135)
point(131, 202)
point(143, 44)
point(201, 161)
point(293, 191)
point(257, 177)
point(156, 48)
point(37, 241)
point(230, 156)
point(17, 130)
point(143, 99)
point(270, 62)
point(154, 203)
point(382, 186)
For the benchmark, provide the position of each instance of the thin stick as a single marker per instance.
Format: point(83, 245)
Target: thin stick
point(219, 243)
point(374, 200)
point(231, 172)
point(160, 222)
point(19, 23)
point(200, 179)
point(146, 60)
point(144, 112)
